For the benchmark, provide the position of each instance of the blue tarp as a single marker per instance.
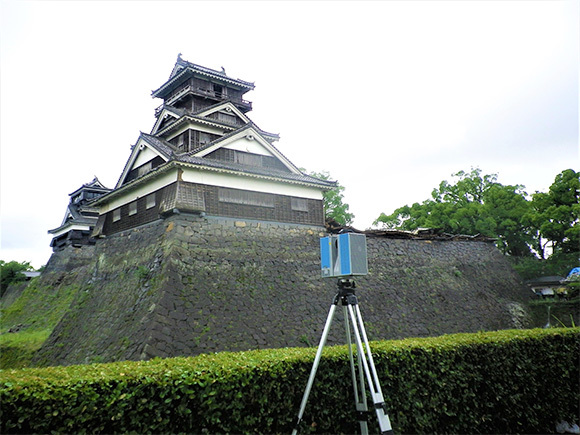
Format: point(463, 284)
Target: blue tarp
point(575, 271)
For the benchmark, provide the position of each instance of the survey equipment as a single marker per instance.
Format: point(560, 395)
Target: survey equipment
point(343, 256)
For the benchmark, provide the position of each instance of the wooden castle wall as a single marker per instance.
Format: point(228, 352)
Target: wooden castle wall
point(279, 208)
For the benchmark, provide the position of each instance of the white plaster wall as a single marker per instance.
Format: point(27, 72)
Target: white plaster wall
point(150, 187)
point(144, 156)
point(249, 146)
point(249, 183)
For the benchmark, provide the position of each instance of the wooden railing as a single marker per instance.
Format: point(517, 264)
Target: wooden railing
point(180, 92)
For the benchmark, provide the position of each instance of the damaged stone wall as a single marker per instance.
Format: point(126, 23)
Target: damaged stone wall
point(188, 285)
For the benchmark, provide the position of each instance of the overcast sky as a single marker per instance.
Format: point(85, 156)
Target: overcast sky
point(389, 97)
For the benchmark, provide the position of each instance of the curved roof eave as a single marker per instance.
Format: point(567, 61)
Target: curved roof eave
point(195, 69)
point(283, 178)
point(192, 119)
point(133, 184)
point(173, 164)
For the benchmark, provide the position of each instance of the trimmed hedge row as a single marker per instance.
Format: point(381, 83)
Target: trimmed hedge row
point(519, 381)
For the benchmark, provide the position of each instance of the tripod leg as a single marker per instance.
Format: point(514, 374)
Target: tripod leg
point(374, 385)
point(315, 365)
point(360, 399)
point(369, 353)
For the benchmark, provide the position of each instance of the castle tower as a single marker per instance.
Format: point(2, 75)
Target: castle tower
point(80, 217)
point(204, 156)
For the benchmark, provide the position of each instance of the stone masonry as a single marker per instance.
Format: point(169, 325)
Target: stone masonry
point(188, 285)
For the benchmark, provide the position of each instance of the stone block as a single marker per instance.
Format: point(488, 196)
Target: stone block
point(266, 290)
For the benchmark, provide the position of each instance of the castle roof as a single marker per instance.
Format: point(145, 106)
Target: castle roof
point(95, 186)
point(192, 159)
point(200, 116)
point(184, 69)
point(225, 137)
point(82, 222)
point(188, 117)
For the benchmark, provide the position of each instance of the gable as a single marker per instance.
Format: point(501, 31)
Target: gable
point(95, 183)
point(246, 143)
point(144, 158)
point(165, 118)
point(216, 116)
point(226, 113)
point(67, 216)
point(193, 123)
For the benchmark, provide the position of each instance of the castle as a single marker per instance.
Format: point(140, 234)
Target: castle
point(209, 241)
point(205, 156)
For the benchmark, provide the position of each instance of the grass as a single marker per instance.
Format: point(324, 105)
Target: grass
point(17, 349)
point(555, 301)
point(36, 312)
point(39, 307)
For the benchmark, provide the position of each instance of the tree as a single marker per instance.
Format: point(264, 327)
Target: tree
point(334, 205)
point(10, 273)
point(555, 214)
point(474, 204)
point(504, 208)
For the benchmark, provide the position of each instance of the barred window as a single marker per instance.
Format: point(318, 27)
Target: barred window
point(150, 201)
point(245, 197)
point(132, 208)
point(227, 118)
point(204, 137)
point(248, 158)
point(299, 204)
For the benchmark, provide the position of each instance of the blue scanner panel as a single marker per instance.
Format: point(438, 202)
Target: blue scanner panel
point(325, 250)
point(344, 246)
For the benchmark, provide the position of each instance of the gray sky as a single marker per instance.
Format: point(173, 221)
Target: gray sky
point(389, 97)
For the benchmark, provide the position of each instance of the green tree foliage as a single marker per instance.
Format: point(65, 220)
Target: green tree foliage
point(555, 214)
point(334, 205)
point(474, 204)
point(504, 208)
point(557, 264)
point(10, 273)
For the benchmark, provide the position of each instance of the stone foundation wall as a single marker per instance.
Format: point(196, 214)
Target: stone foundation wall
point(188, 285)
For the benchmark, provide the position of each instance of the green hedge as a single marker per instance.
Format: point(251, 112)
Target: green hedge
point(495, 382)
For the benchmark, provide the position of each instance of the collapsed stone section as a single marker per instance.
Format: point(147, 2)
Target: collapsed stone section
point(188, 285)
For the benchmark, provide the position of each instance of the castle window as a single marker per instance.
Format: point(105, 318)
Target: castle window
point(150, 201)
point(248, 158)
point(116, 215)
point(143, 169)
point(204, 137)
point(181, 141)
point(245, 197)
point(299, 204)
point(218, 90)
point(227, 118)
point(132, 208)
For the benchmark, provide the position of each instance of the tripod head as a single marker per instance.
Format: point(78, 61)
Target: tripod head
point(345, 293)
point(346, 285)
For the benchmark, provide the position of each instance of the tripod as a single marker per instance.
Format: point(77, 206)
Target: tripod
point(365, 361)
